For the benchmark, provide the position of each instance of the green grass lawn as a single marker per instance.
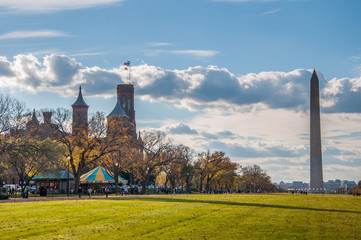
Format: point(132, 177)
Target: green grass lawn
point(247, 216)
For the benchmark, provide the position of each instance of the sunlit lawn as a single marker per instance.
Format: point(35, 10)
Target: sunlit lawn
point(273, 216)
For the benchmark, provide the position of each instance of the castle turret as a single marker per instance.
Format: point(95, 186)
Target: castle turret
point(118, 111)
point(126, 97)
point(33, 122)
point(80, 114)
point(118, 121)
point(47, 117)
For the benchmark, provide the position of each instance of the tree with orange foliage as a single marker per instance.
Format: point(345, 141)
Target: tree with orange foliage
point(28, 158)
point(210, 165)
point(88, 146)
point(125, 148)
point(176, 170)
point(254, 179)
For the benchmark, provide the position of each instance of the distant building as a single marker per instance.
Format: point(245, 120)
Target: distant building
point(348, 184)
point(36, 129)
point(55, 182)
point(295, 185)
point(121, 119)
point(333, 185)
point(80, 115)
point(284, 185)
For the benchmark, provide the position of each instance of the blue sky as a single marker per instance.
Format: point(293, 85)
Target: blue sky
point(230, 75)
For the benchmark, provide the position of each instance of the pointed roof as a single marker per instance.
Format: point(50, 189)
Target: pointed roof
point(33, 120)
point(99, 175)
point(314, 75)
point(80, 101)
point(61, 174)
point(118, 110)
point(33, 117)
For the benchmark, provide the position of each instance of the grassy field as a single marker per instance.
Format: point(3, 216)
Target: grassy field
point(247, 216)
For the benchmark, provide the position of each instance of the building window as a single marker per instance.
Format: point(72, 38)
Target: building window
point(128, 106)
point(123, 102)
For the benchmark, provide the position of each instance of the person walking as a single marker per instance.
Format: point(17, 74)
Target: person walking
point(90, 191)
point(106, 192)
point(80, 191)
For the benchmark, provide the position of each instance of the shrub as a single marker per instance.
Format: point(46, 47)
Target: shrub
point(4, 196)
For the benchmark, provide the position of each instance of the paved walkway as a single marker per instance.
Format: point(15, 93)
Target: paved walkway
point(72, 197)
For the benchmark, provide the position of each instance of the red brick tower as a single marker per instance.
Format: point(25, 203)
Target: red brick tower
point(126, 97)
point(80, 114)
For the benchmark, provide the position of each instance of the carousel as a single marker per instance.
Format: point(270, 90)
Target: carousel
point(98, 179)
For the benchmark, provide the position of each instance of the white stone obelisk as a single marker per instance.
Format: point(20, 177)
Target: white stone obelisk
point(316, 182)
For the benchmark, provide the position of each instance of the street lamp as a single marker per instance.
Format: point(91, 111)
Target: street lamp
point(147, 181)
point(67, 183)
point(116, 178)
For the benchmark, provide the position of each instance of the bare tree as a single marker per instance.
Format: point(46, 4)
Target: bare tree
point(158, 152)
point(12, 119)
point(11, 110)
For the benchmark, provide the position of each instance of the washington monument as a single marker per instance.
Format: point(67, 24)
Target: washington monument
point(316, 182)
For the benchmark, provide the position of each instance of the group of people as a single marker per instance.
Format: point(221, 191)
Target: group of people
point(90, 191)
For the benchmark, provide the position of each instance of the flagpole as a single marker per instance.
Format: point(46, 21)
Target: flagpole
point(129, 74)
point(127, 64)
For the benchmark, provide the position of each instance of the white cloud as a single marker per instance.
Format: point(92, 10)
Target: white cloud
point(270, 12)
point(88, 54)
point(276, 139)
point(200, 54)
point(196, 53)
point(255, 118)
point(46, 6)
point(157, 48)
point(195, 88)
point(33, 34)
point(158, 44)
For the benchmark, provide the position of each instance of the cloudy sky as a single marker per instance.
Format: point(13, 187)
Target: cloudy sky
point(226, 75)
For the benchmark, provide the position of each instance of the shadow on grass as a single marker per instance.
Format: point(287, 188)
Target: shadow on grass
point(179, 200)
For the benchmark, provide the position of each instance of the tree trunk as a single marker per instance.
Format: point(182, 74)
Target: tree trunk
point(187, 184)
point(143, 185)
point(207, 184)
point(76, 182)
point(201, 185)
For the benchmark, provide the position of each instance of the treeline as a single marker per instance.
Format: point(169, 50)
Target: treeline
point(149, 159)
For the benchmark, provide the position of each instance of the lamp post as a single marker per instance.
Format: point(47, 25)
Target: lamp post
point(67, 183)
point(116, 178)
point(147, 182)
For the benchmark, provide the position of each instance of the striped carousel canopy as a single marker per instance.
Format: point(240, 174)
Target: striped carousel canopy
point(99, 175)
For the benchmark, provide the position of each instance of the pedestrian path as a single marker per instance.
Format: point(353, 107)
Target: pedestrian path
point(73, 197)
